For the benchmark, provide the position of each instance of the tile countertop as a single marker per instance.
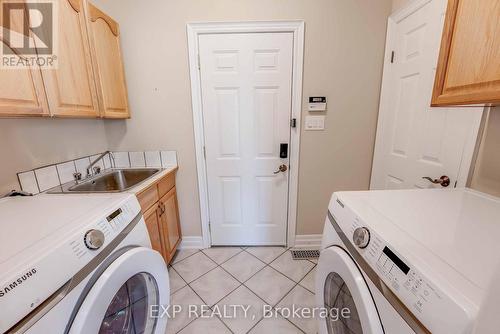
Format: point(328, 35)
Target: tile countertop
point(153, 179)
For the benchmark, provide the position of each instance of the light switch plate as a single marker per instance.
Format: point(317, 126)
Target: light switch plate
point(315, 123)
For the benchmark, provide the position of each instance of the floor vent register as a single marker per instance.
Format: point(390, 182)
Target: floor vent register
point(304, 254)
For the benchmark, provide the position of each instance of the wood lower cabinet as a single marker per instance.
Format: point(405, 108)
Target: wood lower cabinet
point(152, 223)
point(161, 214)
point(468, 69)
point(169, 223)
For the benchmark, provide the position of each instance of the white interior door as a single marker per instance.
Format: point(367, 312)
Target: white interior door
point(413, 139)
point(246, 83)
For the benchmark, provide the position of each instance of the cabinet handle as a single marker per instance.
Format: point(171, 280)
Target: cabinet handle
point(162, 208)
point(159, 210)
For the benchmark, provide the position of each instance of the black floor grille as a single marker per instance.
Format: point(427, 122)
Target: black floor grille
point(302, 254)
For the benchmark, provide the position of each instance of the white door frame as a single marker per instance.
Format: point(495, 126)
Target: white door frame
point(469, 147)
point(193, 31)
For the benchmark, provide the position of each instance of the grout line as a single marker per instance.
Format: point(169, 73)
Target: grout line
point(174, 263)
point(241, 251)
point(186, 286)
point(171, 293)
point(286, 319)
point(210, 307)
point(243, 284)
point(305, 277)
point(288, 293)
point(286, 249)
point(290, 278)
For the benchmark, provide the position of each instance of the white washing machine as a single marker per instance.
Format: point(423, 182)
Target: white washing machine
point(408, 261)
point(79, 264)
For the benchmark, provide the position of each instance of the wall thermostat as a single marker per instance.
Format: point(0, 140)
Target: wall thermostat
point(317, 103)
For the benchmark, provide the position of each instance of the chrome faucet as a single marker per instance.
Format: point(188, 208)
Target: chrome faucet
point(97, 170)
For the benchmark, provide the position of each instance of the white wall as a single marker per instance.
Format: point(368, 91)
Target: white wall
point(29, 143)
point(343, 60)
point(487, 170)
point(397, 4)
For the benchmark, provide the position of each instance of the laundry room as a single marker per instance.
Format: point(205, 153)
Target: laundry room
point(251, 166)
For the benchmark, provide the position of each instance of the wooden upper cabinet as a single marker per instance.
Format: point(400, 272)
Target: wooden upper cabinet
point(71, 89)
point(21, 89)
point(468, 69)
point(108, 66)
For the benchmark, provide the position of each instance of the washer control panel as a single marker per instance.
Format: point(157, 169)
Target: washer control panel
point(414, 289)
point(411, 286)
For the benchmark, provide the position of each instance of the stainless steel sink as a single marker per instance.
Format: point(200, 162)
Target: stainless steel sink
point(116, 180)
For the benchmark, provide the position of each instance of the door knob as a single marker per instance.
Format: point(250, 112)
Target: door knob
point(281, 169)
point(444, 180)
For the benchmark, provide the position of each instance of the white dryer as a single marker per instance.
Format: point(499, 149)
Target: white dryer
point(79, 264)
point(408, 261)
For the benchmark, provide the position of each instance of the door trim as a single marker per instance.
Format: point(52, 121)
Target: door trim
point(198, 28)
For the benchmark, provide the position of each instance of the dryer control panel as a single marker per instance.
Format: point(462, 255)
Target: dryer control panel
point(382, 262)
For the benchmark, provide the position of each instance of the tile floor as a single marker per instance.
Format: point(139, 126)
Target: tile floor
point(253, 277)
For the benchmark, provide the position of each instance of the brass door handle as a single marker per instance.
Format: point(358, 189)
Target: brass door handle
point(281, 169)
point(444, 180)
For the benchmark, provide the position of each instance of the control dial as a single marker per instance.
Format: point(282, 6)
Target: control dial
point(94, 239)
point(361, 237)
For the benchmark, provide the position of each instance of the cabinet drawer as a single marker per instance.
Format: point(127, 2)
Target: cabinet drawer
point(165, 184)
point(148, 197)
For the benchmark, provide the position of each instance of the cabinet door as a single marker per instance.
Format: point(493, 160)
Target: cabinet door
point(170, 225)
point(108, 65)
point(21, 89)
point(152, 223)
point(469, 62)
point(71, 87)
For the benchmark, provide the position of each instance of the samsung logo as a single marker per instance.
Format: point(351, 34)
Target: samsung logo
point(20, 280)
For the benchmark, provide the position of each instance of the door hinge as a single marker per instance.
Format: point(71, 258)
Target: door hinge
point(199, 62)
point(392, 57)
point(204, 153)
point(210, 227)
point(293, 123)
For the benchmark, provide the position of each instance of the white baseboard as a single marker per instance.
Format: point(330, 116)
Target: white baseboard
point(308, 241)
point(191, 242)
point(301, 241)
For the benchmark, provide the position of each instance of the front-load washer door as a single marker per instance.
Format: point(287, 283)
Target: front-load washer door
point(125, 296)
point(343, 292)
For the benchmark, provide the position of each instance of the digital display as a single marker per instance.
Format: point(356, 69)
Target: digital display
point(397, 261)
point(317, 99)
point(114, 215)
